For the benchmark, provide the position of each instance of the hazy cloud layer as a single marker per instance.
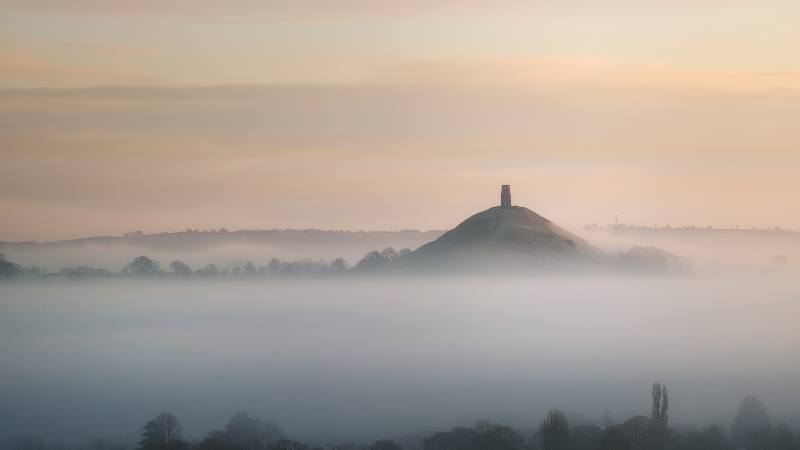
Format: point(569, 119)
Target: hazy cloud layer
point(378, 156)
point(317, 8)
point(91, 42)
point(394, 115)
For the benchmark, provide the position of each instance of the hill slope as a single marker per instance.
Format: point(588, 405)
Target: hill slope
point(506, 239)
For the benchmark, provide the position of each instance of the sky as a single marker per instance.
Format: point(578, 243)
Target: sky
point(118, 116)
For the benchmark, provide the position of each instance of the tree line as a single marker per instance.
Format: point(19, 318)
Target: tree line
point(752, 429)
point(146, 267)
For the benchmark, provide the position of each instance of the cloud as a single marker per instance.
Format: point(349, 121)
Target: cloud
point(250, 10)
point(24, 68)
point(165, 158)
point(589, 73)
point(246, 8)
point(19, 62)
point(250, 42)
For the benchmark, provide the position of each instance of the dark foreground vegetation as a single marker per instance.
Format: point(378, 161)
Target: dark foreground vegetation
point(752, 429)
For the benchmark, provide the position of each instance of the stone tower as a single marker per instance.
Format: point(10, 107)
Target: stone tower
point(505, 196)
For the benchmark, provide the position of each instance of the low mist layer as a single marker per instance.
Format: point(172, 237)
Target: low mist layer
point(343, 360)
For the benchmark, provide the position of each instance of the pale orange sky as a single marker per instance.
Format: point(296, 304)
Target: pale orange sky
point(118, 116)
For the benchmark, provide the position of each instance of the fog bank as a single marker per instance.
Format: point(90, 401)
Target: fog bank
point(343, 359)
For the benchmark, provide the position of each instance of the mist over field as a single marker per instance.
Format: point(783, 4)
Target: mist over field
point(359, 359)
point(710, 251)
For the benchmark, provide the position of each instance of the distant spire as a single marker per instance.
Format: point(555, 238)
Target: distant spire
point(505, 196)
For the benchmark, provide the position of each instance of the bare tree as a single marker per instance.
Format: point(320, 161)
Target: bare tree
point(554, 431)
point(659, 416)
point(660, 404)
point(162, 433)
point(751, 418)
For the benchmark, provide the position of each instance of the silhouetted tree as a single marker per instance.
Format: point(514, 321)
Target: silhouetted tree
point(659, 417)
point(384, 445)
point(7, 268)
point(763, 439)
point(770, 437)
point(585, 437)
point(347, 446)
point(144, 266)
point(303, 267)
point(180, 268)
point(710, 438)
point(751, 419)
point(371, 261)
point(210, 270)
point(714, 439)
point(249, 268)
point(338, 265)
point(273, 266)
point(162, 433)
point(456, 439)
point(216, 440)
point(287, 444)
point(554, 431)
point(389, 254)
point(375, 260)
point(484, 436)
point(614, 439)
point(251, 433)
point(785, 438)
point(660, 404)
point(638, 431)
point(495, 436)
point(103, 444)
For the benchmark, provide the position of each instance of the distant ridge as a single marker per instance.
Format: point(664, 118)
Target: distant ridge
point(198, 248)
point(195, 239)
point(502, 239)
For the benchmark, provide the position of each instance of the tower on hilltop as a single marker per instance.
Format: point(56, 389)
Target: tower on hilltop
point(505, 196)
